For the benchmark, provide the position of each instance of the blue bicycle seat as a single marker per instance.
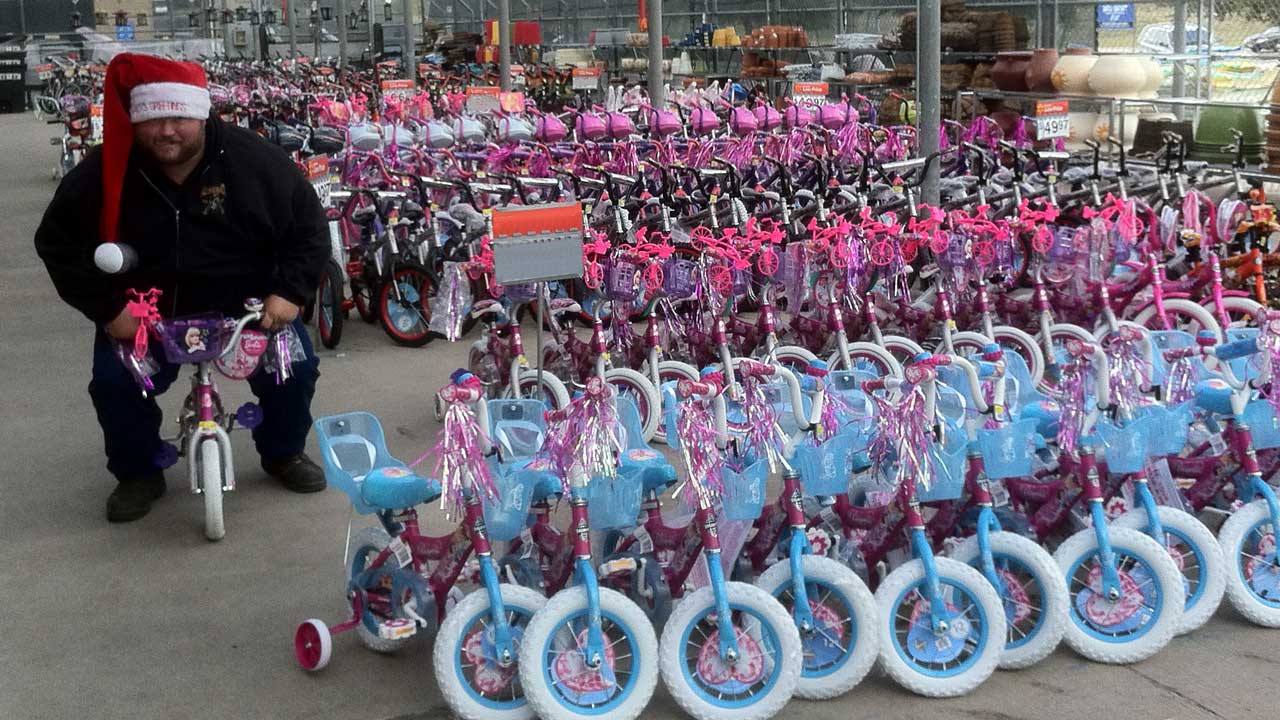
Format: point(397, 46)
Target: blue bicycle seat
point(655, 472)
point(394, 488)
point(1214, 394)
point(356, 461)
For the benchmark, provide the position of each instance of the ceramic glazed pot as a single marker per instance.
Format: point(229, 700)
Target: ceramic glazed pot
point(1010, 71)
point(1070, 74)
point(1081, 128)
point(1039, 76)
point(1102, 129)
point(1117, 76)
point(1155, 77)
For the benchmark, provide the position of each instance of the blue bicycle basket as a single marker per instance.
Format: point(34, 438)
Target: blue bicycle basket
point(506, 517)
point(947, 483)
point(1125, 446)
point(1263, 429)
point(744, 491)
point(614, 503)
point(825, 468)
point(1167, 427)
point(1007, 451)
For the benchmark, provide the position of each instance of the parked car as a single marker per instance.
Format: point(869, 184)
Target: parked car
point(1267, 41)
point(1158, 39)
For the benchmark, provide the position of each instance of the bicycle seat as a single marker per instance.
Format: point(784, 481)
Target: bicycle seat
point(487, 307)
point(518, 428)
point(410, 210)
point(560, 306)
point(655, 472)
point(356, 461)
point(364, 215)
point(394, 488)
point(327, 141)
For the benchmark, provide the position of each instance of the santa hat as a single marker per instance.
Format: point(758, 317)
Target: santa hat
point(140, 88)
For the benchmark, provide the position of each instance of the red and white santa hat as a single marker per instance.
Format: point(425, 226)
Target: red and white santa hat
point(140, 88)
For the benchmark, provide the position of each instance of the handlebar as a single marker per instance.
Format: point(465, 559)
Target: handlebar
point(706, 388)
point(1237, 349)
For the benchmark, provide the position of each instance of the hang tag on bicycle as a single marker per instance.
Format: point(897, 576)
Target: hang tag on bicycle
point(403, 554)
point(1052, 120)
point(318, 176)
point(95, 122)
point(1163, 487)
point(999, 493)
point(1218, 443)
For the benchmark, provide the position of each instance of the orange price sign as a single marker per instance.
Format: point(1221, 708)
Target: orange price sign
point(1052, 120)
point(809, 93)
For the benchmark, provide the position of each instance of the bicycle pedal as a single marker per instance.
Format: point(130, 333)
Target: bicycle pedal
point(397, 629)
point(616, 566)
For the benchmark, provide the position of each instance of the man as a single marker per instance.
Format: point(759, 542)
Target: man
point(211, 214)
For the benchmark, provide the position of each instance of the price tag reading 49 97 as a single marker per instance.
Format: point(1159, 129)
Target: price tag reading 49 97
point(1051, 119)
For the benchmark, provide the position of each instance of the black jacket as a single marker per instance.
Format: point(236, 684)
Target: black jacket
point(245, 224)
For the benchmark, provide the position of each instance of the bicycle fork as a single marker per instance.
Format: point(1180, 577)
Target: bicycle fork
point(1256, 486)
point(939, 617)
point(1092, 490)
point(503, 648)
point(798, 548)
point(593, 651)
point(706, 520)
point(208, 429)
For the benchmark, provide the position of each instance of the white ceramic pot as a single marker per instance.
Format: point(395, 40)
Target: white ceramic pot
point(1080, 128)
point(1102, 129)
point(1121, 76)
point(1155, 77)
point(1071, 73)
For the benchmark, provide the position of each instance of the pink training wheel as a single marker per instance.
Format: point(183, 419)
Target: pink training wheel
point(313, 645)
point(1042, 240)
point(882, 252)
point(653, 277)
point(767, 263)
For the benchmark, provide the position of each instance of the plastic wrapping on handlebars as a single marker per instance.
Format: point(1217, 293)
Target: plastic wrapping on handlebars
point(1237, 349)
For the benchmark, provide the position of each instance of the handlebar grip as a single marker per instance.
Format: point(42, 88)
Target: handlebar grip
point(455, 393)
point(686, 389)
point(755, 368)
point(873, 385)
point(1237, 349)
point(985, 369)
point(1171, 355)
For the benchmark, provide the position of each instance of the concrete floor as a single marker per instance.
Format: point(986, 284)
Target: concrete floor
point(149, 620)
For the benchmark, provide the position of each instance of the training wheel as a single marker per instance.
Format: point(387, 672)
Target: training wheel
point(313, 645)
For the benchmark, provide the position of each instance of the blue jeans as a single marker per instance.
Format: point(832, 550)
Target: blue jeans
point(131, 423)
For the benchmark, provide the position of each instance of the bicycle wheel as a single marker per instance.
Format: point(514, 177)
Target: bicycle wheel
point(379, 602)
point(362, 294)
point(557, 680)
point(763, 679)
point(1198, 557)
point(1253, 582)
point(1034, 596)
point(554, 394)
point(476, 684)
point(404, 305)
point(870, 357)
point(1013, 339)
point(210, 477)
point(1182, 315)
point(1142, 620)
point(329, 313)
point(632, 384)
point(794, 358)
point(839, 652)
point(955, 661)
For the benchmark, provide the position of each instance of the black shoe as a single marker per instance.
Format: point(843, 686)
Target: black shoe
point(132, 498)
point(296, 473)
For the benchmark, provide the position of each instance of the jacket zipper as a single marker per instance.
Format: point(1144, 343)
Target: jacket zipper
point(177, 224)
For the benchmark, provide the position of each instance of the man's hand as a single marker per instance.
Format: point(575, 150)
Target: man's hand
point(123, 327)
point(277, 313)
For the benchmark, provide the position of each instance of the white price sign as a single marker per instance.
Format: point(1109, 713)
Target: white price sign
point(1051, 119)
point(809, 93)
point(586, 78)
point(484, 100)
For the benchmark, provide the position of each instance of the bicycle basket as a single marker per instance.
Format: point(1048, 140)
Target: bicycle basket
point(520, 292)
point(948, 473)
point(1263, 426)
point(670, 412)
point(506, 516)
point(1167, 428)
point(1161, 341)
point(1250, 366)
point(743, 497)
point(680, 278)
point(614, 503)
point(1126, 445)
point(1007, 451)
point(825, 468)
point(194, 339)
point(620, 280)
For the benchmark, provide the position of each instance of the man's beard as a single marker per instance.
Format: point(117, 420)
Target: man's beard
point(177, 154)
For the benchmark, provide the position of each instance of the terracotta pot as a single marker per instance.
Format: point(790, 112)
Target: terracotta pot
point(1040, 70)
point(1155, 77)
point(1071, 73)
point(1010, 71)
point(1117, 76)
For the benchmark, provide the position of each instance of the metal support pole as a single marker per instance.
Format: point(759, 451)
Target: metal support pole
point(1179, 47)
point(317, 26)
point(410, 51)
point(226, 36)
point(289, 8)
point(1207, 43)
point(656, 90)
point(22, 17)
point(504, 45)
point(929, 88)
point(341, 10)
